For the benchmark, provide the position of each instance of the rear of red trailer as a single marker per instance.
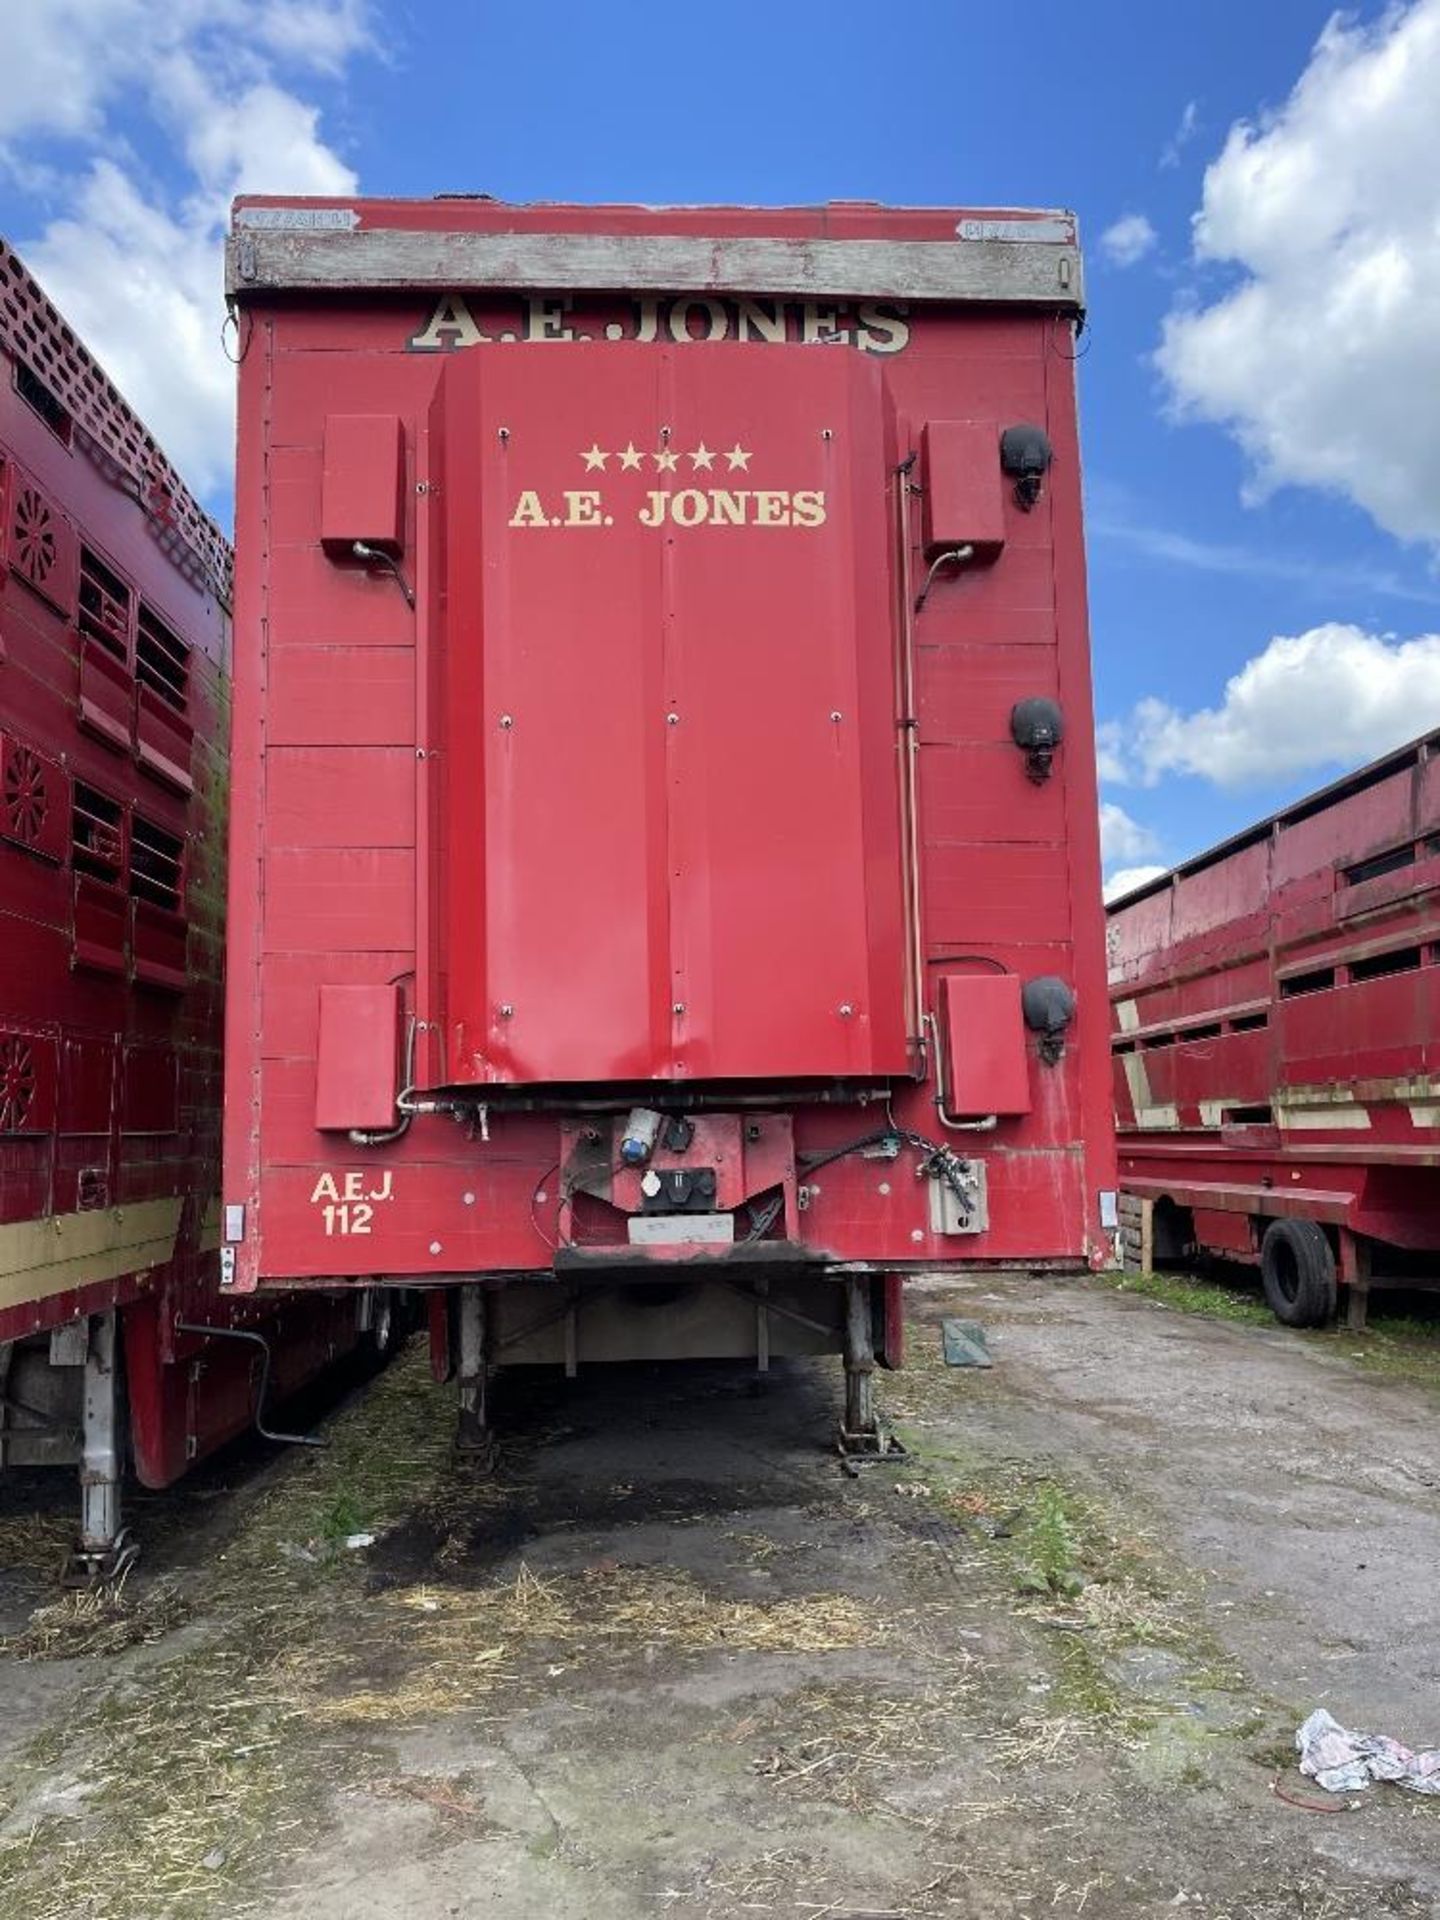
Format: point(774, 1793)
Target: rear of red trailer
point(664, 889)
point(1276, 1045)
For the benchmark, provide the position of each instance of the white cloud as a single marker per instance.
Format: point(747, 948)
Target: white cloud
point(71, 61)
point(1334, 696)
point(1185, 131)
point(134, 264)
point(1118, 517)
point(1110, 752)
point(1324, 358)
point(1122, 838)
point(1128, 879)
point(1128, 240)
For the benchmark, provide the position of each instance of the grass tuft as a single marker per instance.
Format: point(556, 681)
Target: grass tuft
point(1211, 1299)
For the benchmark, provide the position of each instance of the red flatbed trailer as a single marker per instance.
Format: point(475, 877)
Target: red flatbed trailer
point(1276, 1043)
point(651, 834)
point(114, 643)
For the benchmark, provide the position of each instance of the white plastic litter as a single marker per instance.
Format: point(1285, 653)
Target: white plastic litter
point(1344, 1762)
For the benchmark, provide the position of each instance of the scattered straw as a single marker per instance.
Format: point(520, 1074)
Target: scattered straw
point(454, 1646)
point(36, 1543)
point(644, 1606)
point(851, 1744)
point(1035, 1741)
point(97, 1622)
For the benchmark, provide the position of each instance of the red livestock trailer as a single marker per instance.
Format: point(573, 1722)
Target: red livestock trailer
point(114, 640)
point(1276, 1041)
point(664, 873)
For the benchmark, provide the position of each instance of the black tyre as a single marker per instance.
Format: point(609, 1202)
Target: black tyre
point(1298, 1271)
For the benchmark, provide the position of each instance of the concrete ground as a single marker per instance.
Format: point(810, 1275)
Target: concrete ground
point(669, 1659)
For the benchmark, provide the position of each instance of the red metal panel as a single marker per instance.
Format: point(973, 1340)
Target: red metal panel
point(341, 796)
point(107, 694)
point(341, 697)
point(29, 1074)
point(163, 740)
point(39, 542)
point(678, 656)
point(987, 1068)
point(355, 1072)
point(34, 798)
point(157, 946)
point(150, 1102)
point(100, 925)
point(319, 899)
point(87, 1084)
point(362, 495)
point(960, 464)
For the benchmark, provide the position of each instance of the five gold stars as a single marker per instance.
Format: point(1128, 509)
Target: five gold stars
point(667, 460)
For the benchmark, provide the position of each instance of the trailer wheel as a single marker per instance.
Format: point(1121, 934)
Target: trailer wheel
point(1297, 1267)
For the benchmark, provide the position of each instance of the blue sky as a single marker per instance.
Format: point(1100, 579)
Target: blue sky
point(1269, 483)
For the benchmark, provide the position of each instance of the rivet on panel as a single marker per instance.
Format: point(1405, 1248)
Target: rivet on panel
point(884, 1187)
point(468, 1199)
point(678, 1008)
point(507, 720)
point(504, 433)
point(672, 719)
point(506, 1010)
point(434, 1246)
point(845, 1010)
point(916, 1234)
point(836, 716)
point(826, 434)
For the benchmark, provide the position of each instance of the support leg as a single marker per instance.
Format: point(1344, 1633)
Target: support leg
point(863, 1434)
point(474, 1435)
point(1355, 1273)
point(104, 1551)
point(860, 1423)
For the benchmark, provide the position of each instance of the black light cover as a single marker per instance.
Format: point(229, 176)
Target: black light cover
point(1048, 1005)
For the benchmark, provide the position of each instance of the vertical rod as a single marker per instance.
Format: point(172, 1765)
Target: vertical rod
point(907, 727)
point(473, 1313)
point(100, 1467)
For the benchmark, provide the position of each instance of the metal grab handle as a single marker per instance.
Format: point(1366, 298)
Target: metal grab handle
point(259, 1340)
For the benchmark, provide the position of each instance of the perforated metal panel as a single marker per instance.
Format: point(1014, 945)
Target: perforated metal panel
point(32, 329)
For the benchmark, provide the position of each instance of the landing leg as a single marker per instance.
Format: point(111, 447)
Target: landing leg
point(105, 1551)
point(862, 1433)
point(1355, 1272)
point(474, 1435)
point(859, 1363)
